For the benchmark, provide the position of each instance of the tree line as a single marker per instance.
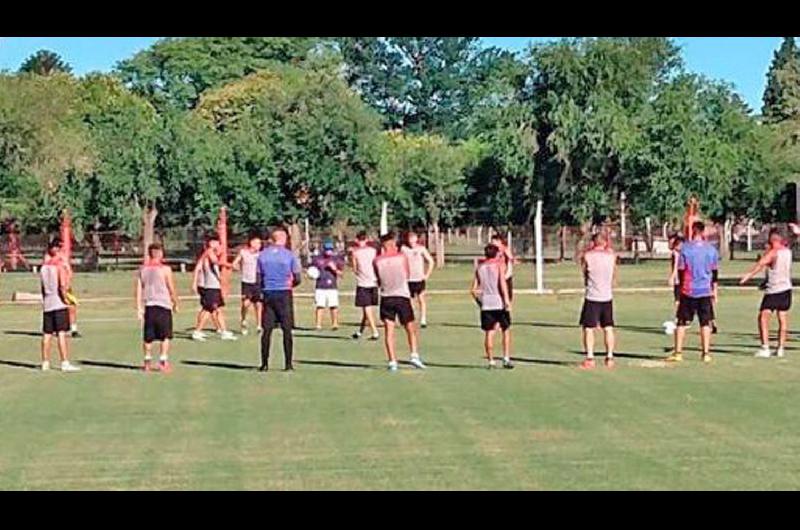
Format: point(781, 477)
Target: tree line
point(447, 130)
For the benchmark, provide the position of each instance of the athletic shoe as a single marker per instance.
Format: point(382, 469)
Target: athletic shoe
point(423, 323)
point(259, 330)
point(227, 335)
point(357, 335)
point(45, 366)
point(779, 352)
point(675, 358)
point(375, 337)
point(318, 328)
point(491, 364)
point(417, 362)
point(610, 363)
point(587, 364)
point(713, 329)
point(66, 366)
point(164, 367)
point(244, 332)
point(199, 336)
point(706, 357)
point(263, 368)
point(334, 328)
point(507, 364)
point(392, 366)
point(289, 368)
point(76, 334)
point(763, 353)
point(148, 365)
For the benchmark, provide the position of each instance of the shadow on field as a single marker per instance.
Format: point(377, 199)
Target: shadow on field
point(108, 364)
point(36, 334)
point(323, 337)
point(601, 353)
point(226, 365)
point(340, 364)
point(453, 325)
point(551, 362)
point(448, 365)
point(20, 364)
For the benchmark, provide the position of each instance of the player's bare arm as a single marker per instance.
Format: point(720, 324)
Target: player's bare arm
point(429, 263)
point(237, 262)
point(765, 261)
point(137, 294)
point(171, 288)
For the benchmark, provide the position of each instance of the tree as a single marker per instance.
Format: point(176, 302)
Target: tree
point(419, 84)
point(174, 72)
point(782, 94)
point(45, 62)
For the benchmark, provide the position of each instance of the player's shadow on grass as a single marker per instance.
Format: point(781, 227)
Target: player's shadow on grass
point(601, 353)
point(109, 364)
point(36, 334)
point(324, 337)
point(551, 362)
point(217, 364)
point(20, 364)
point(341, 364)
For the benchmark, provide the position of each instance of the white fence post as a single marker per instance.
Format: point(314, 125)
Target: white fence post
point(749, 235)
point(539, 248)
point(384, 218)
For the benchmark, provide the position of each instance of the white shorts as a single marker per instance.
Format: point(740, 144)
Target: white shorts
point(326, 297)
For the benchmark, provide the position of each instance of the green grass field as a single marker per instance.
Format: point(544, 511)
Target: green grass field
point(342, 422)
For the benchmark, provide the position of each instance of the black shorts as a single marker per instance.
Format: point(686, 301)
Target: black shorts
point(397, 307)
point(688, 307)
point(676, 292)
point(416, 288)
point(366, 296)
point(596, 314)
point(211, 300)
point(490, 319)
point(252, 292)
point(54, 322)
point(777, 301)
point(278, 310)
point(157, 324)
point(200, 293)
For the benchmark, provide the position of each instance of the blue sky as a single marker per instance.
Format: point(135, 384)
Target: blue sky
point(742, 61)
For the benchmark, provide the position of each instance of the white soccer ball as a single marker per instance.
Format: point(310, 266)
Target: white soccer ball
point(312, 272)
point(669, 327)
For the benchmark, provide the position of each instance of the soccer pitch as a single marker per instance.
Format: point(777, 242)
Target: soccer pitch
point(341, 421)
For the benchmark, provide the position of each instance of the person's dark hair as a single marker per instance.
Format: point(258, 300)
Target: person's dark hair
point(253, 235)
point(388, 236)
point(54, 243)
point(775, 231)
point(497, 237)
point(598, 237)
point(362, 235)
point(698, 227)
point(490, 251)
point(153, 247)
point(213, 236)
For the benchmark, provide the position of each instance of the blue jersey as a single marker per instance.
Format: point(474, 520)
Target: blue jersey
point(696, 265)
point(277, 267)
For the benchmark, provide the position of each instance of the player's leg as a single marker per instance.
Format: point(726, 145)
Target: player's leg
point(488, 346)
point(589, 320)
point(200, 322)
point(318, 317)
point(405, 313)
point(783, 326)
point(268, 321)
point(285, 313)
point(259, 315)
point(46, 339)
point(333, 304)
point(684, 315)
point(219, 313)
point(319, 305)
point(163, 333)
point(334, 318)
point(63, 352)
point(243, 307)
point(763, 333)
point(423, 309)
point(373, 326)
point(73, 320)
point(507, 349)
point(588, 347)
point(388, 340)
point(705, 313)
point(608, 334)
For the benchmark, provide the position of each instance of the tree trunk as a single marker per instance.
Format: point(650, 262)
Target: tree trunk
point(562, 243)
point(439, 246)
point(296, 236)
point(148, 228)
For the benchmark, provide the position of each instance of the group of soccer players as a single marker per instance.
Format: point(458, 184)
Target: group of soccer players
point(389, 275)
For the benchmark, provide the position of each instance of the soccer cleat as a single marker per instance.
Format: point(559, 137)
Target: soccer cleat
point(675, 358)
point(227, 335)
point(148, 365)
point(357, 335)
point(507, 364)
point(199, 336)
point(45, 366)
point(706, 357)
point(164, 367)
point(66, 366)
point(610, 363)
point(392, 366)
point(417, 362)
point(587, 364)
point(763, 353)
point(779, 352)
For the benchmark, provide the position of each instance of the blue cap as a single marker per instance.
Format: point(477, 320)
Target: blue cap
point(327, 245)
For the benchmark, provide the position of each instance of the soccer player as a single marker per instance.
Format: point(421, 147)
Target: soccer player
point(698, 266)
point(198, 288)
point(778, 293)
point(326, 289)
point(675, 243)
point(361, 259)
point(247, 262)
point(599, 266)
point(393, 271)
point(420, 264)
point(211, 300)
point(280, 273)
point(54, 279)
point(155, 302)
point(490, 290)
point(70, 299)
point(509, 259)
